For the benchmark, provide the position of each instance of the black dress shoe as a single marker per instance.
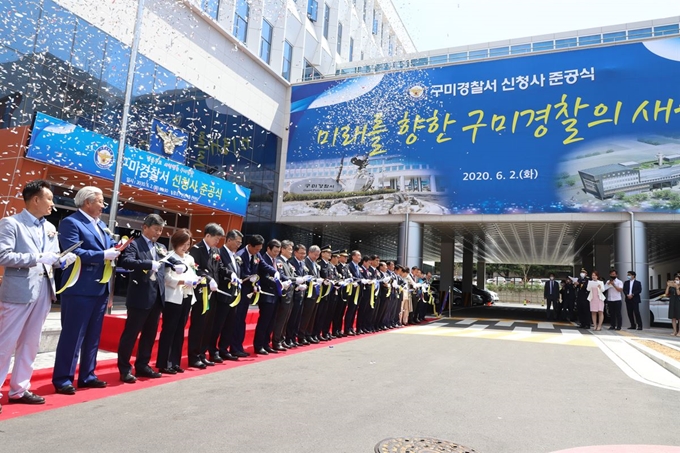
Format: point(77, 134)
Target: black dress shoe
point(148, 372)
point(198, 364)
point(128, 378)
point(240, 354)
point(618, 328)
point(632, 328)
point(351, 333)
point(93, 384)
point(178, 369)
point(332, 337)
point(217, 358)
point(261, 351)
point(303, 342)
point(639, 328)
point(312, 340)
point(167, 371)
point(612, 328)
point(270, 350)
point(207, 362)
point(228, 356)
point(279, 347)
point(28, 398)
point(67, 389)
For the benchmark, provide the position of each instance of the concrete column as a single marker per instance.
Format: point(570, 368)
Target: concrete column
point(630, 253)
point(603, 259)
point(410, 247)
point(433, 183)
point(587, 258)
point(447, 258)
point(468, 244)
point(481, 263)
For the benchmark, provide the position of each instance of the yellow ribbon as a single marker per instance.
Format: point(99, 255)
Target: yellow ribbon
point(256, 298)
point(108, 271)
point(389, 291)
point(73, 278)
point(310, 290)
point(356, 296)
point(373, 294)
point(206, 304)
point(237, 300)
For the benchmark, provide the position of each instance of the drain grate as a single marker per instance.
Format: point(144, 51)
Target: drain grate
point(419, 445)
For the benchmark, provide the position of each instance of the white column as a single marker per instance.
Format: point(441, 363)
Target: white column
point(630, 253)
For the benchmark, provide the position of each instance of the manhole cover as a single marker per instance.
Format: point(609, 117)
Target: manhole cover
point(419, 445)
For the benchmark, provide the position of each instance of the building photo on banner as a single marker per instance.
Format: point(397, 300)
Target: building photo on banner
point(587, 130)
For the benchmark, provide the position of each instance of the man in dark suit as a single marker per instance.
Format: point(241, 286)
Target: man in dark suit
point(355, 270)
point(632, 289)
point(365, 311)
point(285, 306)
point(551, 294)
point(252, 265)
point(208, 260)
point(145, 297)
point(83, 305)
point(309, 305)
point(327, 272)
point(225, 313)
point(269, 299)
point(343, 296)
point(293, 326)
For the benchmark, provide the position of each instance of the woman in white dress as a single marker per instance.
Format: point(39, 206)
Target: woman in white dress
point(179, 297)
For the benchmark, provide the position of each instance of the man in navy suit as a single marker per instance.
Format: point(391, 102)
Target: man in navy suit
point(207, 257)
point(355, 270)
point(632, 289)
point(145, 298)
point(252, 265)
point(293, 325)
point(551, 294)
point(268, 299)
point(83, 305)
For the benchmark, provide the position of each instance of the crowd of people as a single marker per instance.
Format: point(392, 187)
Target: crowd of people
point(583, 299)
point(304, 295)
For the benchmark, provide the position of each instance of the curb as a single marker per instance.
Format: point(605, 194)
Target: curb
point(666, 362)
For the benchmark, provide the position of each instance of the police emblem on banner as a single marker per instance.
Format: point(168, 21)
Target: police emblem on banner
point(168, 141)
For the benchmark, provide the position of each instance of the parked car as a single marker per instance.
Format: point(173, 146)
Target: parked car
point(658, 310)
point(483, 294)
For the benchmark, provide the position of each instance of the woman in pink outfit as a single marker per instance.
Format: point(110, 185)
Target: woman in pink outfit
point(596, 298)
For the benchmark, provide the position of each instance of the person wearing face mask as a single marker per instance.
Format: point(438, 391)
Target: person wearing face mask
point(632, 289)
point(614, 289)
point(673, 293)
point(596, 299)
point(582, 304)
point(551, 294)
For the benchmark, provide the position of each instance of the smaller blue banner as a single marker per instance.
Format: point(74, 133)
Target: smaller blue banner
point(63, 144)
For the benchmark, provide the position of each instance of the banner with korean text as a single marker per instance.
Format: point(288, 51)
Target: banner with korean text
point(60, 143)
point(593, 129)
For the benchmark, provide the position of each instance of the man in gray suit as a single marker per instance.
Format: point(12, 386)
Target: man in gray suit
point(29, 250)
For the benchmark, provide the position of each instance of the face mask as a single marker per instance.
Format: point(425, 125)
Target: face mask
point(677, 282)
point(583, 275)
point(630, 277)
point(552, 278)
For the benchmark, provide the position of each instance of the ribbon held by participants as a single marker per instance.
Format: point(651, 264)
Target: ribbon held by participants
point(73, 278)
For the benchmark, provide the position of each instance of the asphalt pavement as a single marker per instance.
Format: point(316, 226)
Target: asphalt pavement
point(492, 395)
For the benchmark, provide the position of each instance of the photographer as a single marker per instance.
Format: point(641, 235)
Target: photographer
point(614, 288)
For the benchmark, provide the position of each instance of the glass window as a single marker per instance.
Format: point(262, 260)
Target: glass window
point(326, 19)
point(614, 37)
point(56, 31)
point(419, 61)
point(565, 43)
point(589, 40)
point(266, 41)
point(145, 71)
point(20, 18)
point(312, 10)
point(287, 60)
point(88, 49)
point(460, 56)
point(351, 49)
point(116, 61)
point(520, 48)
point(241, 20)
point(211, 7)
point(310, 72)
point(667, 30)
point(339, 46)
point(438, 59)
point(476, 54)
point(499, 51)
point(375, 22)
point(364, 6)
point(543, 45)
point(640, 33)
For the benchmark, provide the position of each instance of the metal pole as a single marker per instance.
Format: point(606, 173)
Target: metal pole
point(450, 301)
point(632, 240)
point(123, 133)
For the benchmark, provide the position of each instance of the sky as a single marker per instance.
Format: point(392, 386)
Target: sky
point(439, 24)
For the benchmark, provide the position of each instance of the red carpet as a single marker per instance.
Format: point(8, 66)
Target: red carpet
point(41, 384)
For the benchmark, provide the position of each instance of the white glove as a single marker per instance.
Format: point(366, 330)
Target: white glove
point(319, 281)
point(286, 284)
point(155, 265)
point(355, 284)
point(180, 268)
point(68, 259)
point(111, 254)
point(213, 285)
point(364, 281)
point(277, 276)
point(300, 280)
point(234, 279)
point(301, 288)
point(48, 258)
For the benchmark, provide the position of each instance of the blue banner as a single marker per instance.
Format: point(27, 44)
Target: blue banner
point(63, 144)
point(586, 130)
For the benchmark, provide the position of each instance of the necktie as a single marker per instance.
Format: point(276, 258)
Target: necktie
point(252, 263)
point(152, 248)
point(98, 230)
